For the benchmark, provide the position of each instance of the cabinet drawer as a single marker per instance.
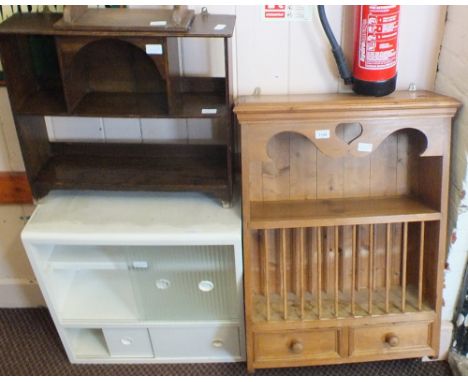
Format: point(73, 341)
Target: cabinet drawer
point(202, 343)
point(128, 342)
point(390, 338)
point(298, 345)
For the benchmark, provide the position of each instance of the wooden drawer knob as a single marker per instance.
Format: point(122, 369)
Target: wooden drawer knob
point(392, 339)
point(296, 347)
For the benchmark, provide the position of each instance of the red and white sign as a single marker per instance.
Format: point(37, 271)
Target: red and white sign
point(274, 12)
point(287, 12)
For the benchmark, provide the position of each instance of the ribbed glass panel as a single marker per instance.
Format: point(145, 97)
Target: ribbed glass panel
point(184, 282)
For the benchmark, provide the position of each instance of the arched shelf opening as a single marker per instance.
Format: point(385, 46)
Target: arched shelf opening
point(113, 73)
point(416, 140)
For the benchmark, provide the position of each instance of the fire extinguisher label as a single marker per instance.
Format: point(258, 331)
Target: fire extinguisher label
point(378, 35)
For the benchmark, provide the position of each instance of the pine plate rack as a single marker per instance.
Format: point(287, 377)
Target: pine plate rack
point(344, 224)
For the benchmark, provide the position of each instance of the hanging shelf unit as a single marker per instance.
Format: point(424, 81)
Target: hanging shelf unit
point(53, 68)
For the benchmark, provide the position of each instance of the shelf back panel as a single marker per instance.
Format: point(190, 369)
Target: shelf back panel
point(107, 65)
point(298, 170)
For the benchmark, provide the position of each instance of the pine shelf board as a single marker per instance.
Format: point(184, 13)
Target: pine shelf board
point(346, 211)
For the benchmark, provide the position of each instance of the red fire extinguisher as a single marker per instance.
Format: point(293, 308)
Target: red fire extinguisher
point(375, 49)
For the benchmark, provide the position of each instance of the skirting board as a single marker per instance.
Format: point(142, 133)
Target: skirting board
point(20, 293)
point(14, 188)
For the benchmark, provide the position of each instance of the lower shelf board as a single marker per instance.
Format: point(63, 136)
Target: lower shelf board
point(108, 104)
point(327, 309)
point(140, 167)
point(122, 104)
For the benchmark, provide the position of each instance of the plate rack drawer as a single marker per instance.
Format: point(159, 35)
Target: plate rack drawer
point(390, 338)
point(296, 346)
point(128, 342)
point(220, 342)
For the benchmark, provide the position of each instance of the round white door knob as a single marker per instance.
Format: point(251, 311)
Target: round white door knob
point(127, 341)
point(217, 344)
point(163, 284)
point(205, 286)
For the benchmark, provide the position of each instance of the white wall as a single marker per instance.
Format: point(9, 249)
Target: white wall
point(17, 284)
point(276, 57)
point(452, 79)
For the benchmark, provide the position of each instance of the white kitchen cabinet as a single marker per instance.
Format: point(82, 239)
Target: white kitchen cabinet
point(140, 277)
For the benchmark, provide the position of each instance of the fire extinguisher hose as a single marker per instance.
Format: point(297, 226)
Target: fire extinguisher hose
point(340, 59)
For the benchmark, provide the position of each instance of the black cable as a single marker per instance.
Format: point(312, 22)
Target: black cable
point(340, 59)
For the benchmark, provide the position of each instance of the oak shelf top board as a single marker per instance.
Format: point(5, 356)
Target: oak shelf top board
point(342, 102)
point(129, 19)
point(43, 24)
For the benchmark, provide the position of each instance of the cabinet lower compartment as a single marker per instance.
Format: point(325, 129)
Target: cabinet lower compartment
point(162, 343)
point(350, 342)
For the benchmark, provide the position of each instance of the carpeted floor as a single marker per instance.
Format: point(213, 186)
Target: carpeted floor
point(29, 345)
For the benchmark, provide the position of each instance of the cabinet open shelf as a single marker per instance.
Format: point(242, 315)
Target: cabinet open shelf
point(99, 296)
point(143, 167)
point(345, 211)
point(88, 343)
point(154, 105)
point(201, 97)
point(120, 104)
point(108, 104)
point(92, 285)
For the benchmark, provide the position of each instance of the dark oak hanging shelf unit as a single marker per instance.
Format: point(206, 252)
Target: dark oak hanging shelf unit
point(57, 69)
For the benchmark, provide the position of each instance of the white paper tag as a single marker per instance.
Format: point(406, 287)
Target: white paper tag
point(209, 111)
point(140, 264)
point(219, 27)
point(154, 49)
point(158, 23)
point(322, 134)
point(364, 147)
